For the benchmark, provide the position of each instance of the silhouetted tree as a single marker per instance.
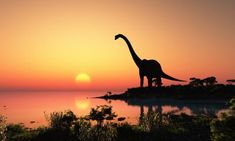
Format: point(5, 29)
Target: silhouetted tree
point(209, 81)
point(230, 81)
point(195, 82)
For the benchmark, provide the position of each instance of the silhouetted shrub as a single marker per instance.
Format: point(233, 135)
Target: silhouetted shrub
point(81, 129)
point(106, 132)
point(101, 113)
point(61, 120)
point(190, 128)
point(152, 121)
point(65, 126)
point(17, 132)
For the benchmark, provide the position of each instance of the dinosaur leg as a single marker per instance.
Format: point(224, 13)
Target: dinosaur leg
point(154, 82)
point(149, 82)
point(141, 81)
point(159, 81)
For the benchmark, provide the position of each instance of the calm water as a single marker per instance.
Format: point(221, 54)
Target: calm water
point(24, 107)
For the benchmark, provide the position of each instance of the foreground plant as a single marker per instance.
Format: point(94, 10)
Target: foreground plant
point(153, 120)
point(61, 120)
point(2, 128)
point(223, 129)
point(153, 126)
point(101, 131)
point(101, 113)
point(66, 126)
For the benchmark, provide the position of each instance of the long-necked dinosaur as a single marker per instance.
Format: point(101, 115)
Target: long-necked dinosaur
point(149, 68)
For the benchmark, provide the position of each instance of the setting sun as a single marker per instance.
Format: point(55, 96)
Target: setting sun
point(82, 78)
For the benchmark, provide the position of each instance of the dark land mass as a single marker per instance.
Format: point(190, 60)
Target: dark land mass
point(181, 92)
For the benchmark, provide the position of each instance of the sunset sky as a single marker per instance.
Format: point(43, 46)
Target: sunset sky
point(46, 44)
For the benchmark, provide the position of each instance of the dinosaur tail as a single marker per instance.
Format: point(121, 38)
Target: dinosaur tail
point(163, 75)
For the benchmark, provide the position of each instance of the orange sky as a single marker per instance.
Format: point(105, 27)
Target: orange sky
point(45, 44)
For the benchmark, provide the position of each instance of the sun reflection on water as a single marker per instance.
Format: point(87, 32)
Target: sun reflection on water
point(82, 104)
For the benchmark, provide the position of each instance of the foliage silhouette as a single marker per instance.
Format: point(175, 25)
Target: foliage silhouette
point(197, 82)
point(151, 128)
point(61, 120)
point(230, 81)
point(101, 113)
point(210, 81)
point(222, 129)
point(2, 128)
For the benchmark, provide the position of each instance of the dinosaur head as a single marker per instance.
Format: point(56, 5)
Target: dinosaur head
point(118, 36)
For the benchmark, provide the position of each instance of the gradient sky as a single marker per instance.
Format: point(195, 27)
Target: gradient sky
point(45, 44)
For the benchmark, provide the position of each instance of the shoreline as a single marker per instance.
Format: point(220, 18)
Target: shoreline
point(176, 92)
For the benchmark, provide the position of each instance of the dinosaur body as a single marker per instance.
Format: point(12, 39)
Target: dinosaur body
point(149, 68)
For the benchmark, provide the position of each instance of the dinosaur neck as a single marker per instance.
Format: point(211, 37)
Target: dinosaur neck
point(135, 57)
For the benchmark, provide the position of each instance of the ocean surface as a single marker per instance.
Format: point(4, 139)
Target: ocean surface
point(31, 108)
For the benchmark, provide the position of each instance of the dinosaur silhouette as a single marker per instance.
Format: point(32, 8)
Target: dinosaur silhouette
point(149, 68)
